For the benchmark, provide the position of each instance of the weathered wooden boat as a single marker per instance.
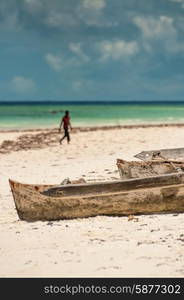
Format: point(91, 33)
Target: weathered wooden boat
point(140, 169)
point(169, 154)
point(157, 194)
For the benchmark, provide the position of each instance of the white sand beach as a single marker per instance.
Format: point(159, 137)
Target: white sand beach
point(101, 246)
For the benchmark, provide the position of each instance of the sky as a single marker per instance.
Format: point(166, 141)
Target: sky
point(91, 50)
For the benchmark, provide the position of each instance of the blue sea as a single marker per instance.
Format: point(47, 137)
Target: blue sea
point(30, 115)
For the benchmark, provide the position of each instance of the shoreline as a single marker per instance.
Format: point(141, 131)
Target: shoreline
point(32, 139)
point(100, 127)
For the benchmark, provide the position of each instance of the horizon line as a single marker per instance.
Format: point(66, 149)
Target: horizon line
point(7, 102)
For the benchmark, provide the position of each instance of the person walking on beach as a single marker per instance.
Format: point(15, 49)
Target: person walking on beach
point(65, 121)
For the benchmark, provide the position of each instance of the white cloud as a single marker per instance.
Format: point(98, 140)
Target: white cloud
point(152, 27)
point(23, 85)
point(57, 18)
point(60, 13)
point(91, 12)
point(77, 49)
point(93, 4)
point(54, 61)
point(117, 49)
point(159, 33)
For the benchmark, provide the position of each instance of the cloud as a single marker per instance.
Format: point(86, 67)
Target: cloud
point(155, 28)
point(117, 49)
point(58, 63)
point(57, 19)
point(90, 12)
point(54, 61)
point(23, 85)
point(159, 33)
point(77, 50)
point(45, 14)
point(9, 16)
point(93, 5)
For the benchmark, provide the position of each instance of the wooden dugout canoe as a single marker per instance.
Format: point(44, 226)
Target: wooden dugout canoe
point(169, 154)
point(157, 194)
point(140, 169)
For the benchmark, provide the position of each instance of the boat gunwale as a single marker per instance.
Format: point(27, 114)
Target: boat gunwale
point(149, 162)
point(103, 194)
point(142, 183)
point(98, 183)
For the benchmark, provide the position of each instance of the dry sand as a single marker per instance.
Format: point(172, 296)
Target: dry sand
point(101, 246)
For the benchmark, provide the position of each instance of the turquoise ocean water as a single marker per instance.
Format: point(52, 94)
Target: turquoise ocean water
point(26, 115)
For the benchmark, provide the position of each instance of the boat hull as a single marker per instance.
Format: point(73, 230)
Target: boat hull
point(159, 194)
point(169, 154)
point(139, 169)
